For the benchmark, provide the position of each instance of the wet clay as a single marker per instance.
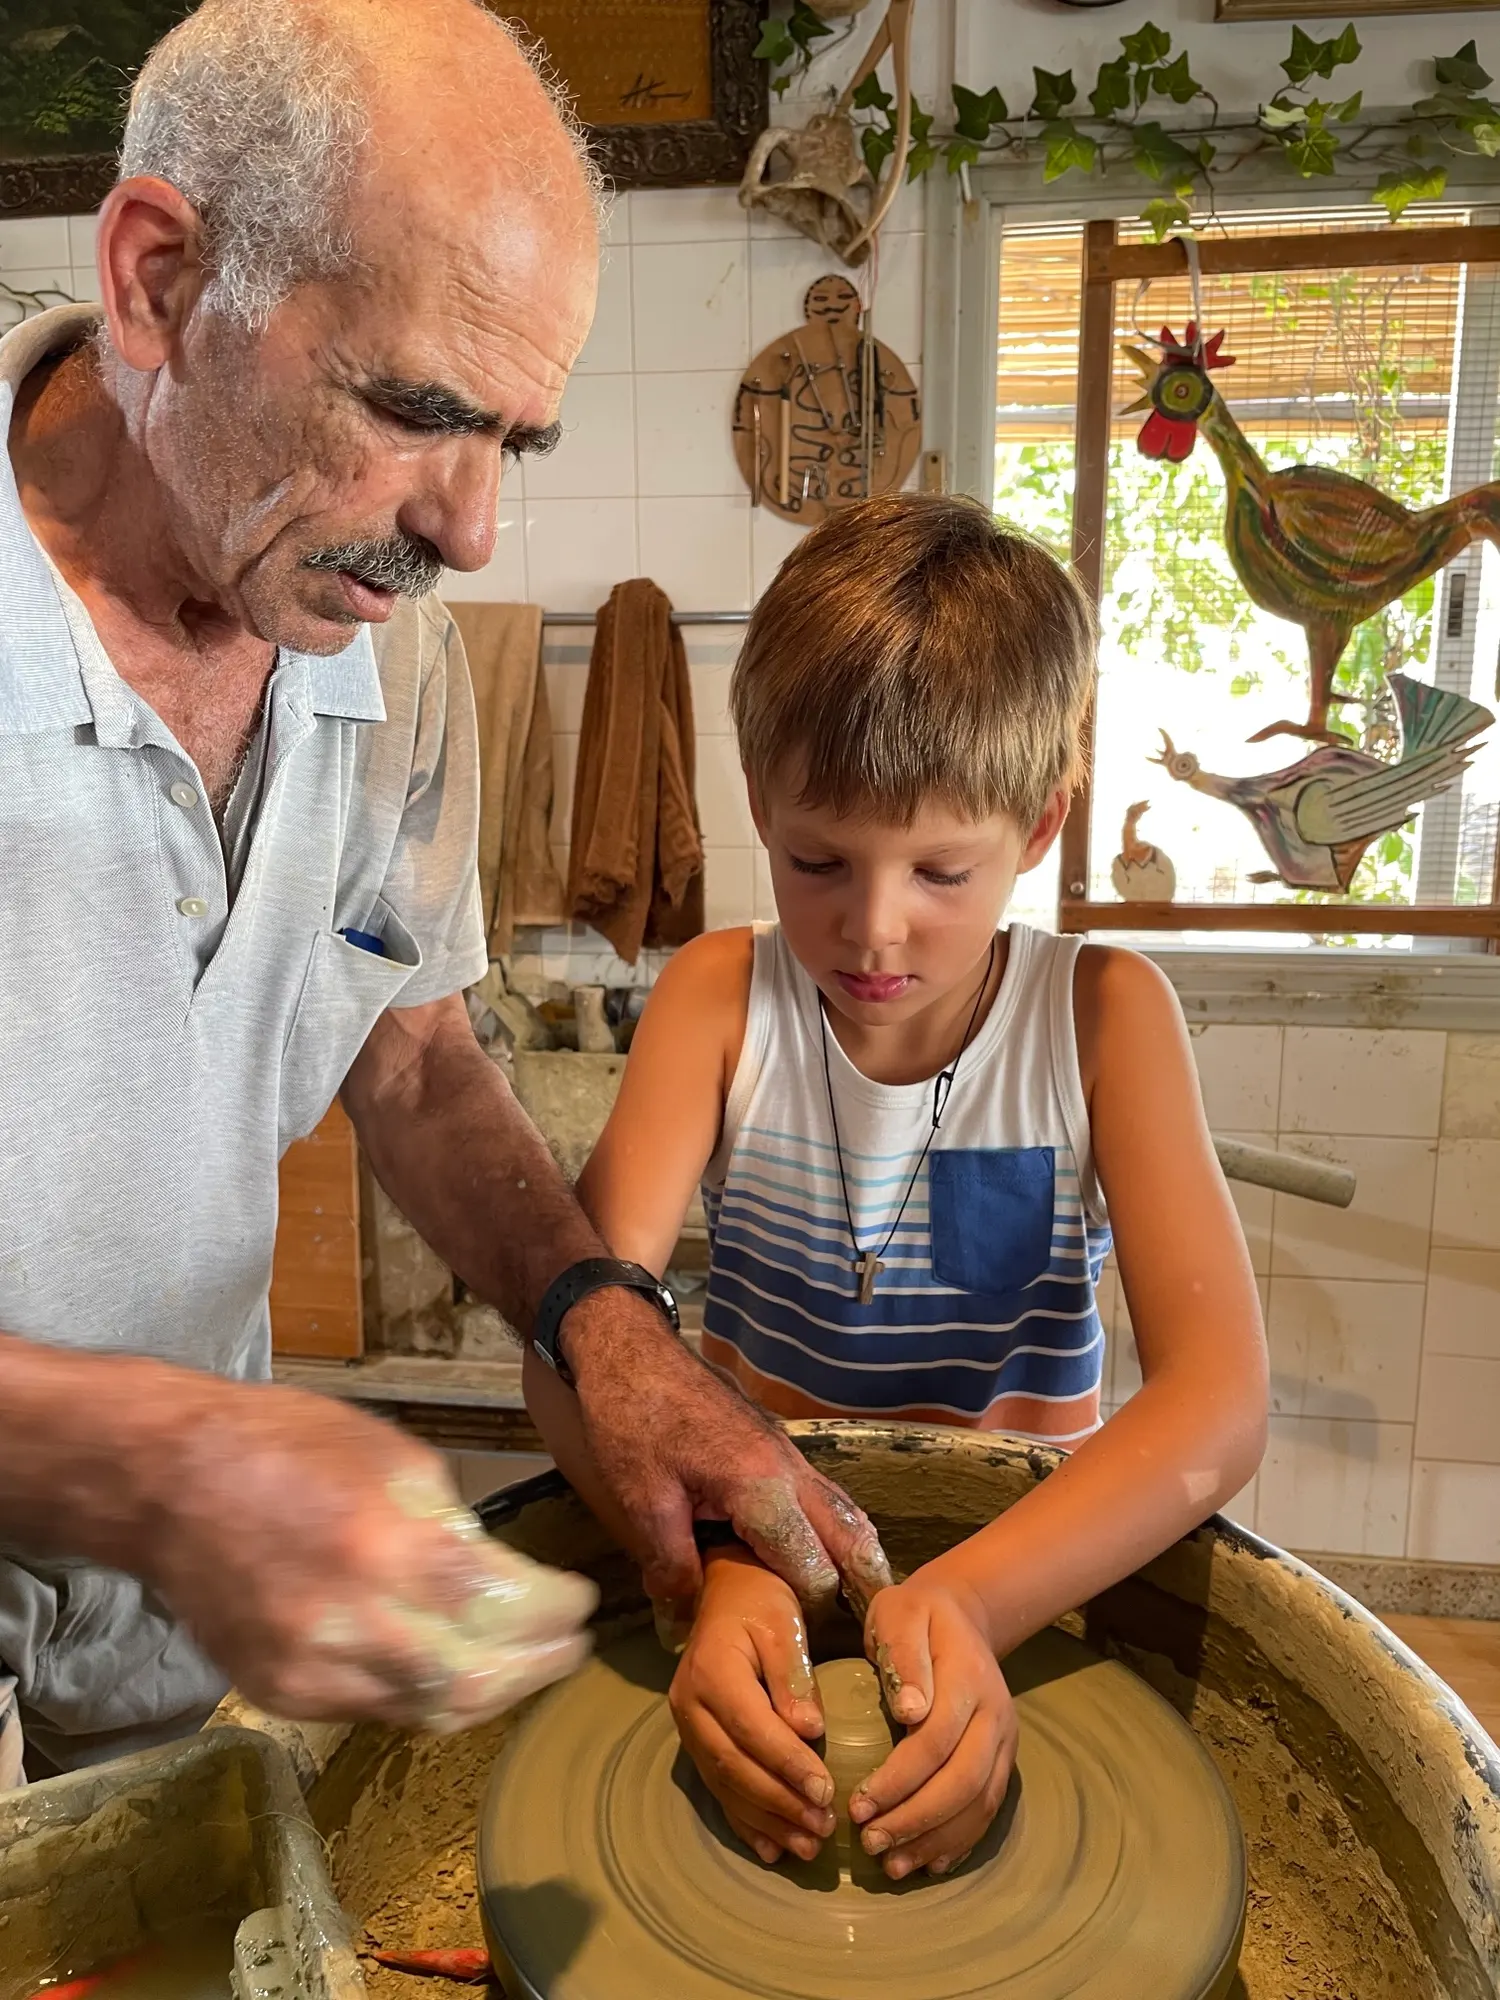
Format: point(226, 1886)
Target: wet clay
point(1114, 1872)
point(858, 1736)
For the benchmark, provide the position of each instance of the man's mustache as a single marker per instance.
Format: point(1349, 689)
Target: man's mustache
point(405, 563)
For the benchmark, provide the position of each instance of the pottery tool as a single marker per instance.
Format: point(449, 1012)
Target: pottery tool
point(784, 447)
point(755, 458)
point(812, 383)
point(1114, 1871)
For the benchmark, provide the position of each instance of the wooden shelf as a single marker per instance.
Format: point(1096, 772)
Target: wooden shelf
point(1314, 919)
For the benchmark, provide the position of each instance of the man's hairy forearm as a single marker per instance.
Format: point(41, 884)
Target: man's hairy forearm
point(79, 1435)
point(459, 1157)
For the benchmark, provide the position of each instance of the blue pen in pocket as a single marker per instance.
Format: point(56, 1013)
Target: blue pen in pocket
point(364, 941)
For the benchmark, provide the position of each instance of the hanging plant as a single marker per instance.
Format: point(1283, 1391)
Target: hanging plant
point(1121, 124)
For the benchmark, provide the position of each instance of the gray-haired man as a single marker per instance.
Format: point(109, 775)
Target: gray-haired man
point(346, 270)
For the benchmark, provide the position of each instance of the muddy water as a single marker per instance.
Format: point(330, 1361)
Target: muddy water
point(193, 1961)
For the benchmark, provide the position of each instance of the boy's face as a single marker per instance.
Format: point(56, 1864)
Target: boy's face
point(888, 920)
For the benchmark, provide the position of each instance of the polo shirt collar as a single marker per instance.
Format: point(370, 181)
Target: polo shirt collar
point(41, 678)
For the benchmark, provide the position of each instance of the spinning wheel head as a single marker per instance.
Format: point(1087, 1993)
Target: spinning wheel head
point(1115, 1870)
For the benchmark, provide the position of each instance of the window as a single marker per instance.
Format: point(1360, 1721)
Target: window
point(1388, 371)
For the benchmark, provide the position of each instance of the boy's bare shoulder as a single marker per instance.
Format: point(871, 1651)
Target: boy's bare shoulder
point(1120, 999)
point(701, 1000)
point(716, 965)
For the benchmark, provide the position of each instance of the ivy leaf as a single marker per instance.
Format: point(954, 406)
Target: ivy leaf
point(920, 159)
point(1206, 151)
point(1397, 190)
point(1314, 152)
point(1149, 44)
point(877, 143)
point(1485, 133)
point(961, 153)
point(872, 95)
point(1164, 215)
point(1111, 91)
point(1349, 108)
point(776, 44)
point(1054, 93)
point(805, 27)
point(1310, 58)
point(1067, 148)
point(1142, 85)
point(976, 113)
point(1176, 81)
point(1279, 116)
point(1155, 153)
point(1462, 72)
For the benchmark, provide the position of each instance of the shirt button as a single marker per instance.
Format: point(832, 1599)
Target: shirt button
point(184, 796)
point(192, 906)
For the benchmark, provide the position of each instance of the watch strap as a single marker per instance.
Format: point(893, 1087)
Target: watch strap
point(578, 1282)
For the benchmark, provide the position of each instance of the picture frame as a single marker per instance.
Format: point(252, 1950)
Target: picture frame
point(61, 88)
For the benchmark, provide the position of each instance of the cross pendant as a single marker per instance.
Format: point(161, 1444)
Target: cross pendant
point(869, 1268)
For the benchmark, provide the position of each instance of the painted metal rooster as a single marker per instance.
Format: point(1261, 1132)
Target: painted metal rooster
point(1316, 818)
point(1309, 544)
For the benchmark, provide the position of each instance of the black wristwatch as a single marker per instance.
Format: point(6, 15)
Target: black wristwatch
point(594, 1274)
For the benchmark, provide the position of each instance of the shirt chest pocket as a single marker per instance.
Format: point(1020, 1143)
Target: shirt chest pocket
point(345, 992)
point(991, 1217)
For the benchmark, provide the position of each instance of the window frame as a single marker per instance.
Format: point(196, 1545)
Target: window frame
point(965, 220)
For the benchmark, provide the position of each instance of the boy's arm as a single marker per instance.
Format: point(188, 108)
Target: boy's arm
point(1187, 1442)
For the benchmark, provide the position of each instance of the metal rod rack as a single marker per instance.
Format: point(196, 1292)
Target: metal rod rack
point(678, 617)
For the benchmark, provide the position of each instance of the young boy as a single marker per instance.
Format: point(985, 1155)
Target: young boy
point(907, 1123)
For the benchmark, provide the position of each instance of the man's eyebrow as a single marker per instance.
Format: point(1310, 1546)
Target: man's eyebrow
point(435, 407)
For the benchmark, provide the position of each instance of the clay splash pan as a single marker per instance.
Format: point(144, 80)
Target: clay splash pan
point(1115, 1871)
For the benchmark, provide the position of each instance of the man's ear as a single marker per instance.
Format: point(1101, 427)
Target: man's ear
point(1046, 830)
point(150, 268)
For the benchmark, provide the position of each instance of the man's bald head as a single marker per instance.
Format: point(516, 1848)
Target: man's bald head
point(292, 124)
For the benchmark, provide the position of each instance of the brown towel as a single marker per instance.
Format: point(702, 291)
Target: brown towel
point(518, 883)
point(636, 868)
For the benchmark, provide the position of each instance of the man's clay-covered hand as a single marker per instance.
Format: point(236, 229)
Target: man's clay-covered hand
point(323, 1560)
point(675, 1443)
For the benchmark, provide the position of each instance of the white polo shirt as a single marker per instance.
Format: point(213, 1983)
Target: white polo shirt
point(169, 1025)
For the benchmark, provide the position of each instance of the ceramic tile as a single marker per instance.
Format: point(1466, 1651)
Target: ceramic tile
point(686, 215)
point(1239, 1072)
point(690, 306)
point(723, 808)
point(698, 551)
point(765, 894)
point(503, 578)
point(782, 267)
point(610, 347)
point(1455, 1513)
point(1458, 1416)
point(710, 700)
point(1386, 1231)
point(1466, 1210)
point(1329, 1484)
point(1344, 1348)
point(728, 887)
point(567, 682)
point(80, 250)
point(51, 284)
point(578, 550)
point(1471, 1088)
point(29, 242)
point(683, 433)
point(897, 316)
point(771, 542)
point(1362, 1080)
point(1463, 1304)
point(85, 284)
point(595, 459)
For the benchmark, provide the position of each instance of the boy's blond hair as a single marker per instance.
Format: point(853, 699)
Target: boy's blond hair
point(915, 648)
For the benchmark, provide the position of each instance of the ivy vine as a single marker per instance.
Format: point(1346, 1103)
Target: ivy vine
point(1120, 123)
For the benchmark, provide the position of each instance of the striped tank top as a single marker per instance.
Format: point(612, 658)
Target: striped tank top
point(985, 1313)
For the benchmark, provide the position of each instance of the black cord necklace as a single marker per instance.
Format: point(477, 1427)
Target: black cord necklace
point(868, 1263)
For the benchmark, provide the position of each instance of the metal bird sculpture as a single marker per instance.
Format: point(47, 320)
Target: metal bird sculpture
point(1309, 544)
point(1316, 818)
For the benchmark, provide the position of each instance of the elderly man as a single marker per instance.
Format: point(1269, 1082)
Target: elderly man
point(349, 262)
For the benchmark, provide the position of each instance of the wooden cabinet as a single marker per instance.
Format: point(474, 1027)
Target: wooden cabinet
point(316, 1283)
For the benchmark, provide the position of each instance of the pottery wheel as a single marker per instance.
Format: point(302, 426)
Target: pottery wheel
point(1115, 1870)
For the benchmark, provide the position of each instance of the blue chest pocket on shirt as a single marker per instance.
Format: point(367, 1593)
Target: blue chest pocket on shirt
point(991, 1217)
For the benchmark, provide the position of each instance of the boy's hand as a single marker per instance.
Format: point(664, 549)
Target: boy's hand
point(937, 1792)
point(744, 1699)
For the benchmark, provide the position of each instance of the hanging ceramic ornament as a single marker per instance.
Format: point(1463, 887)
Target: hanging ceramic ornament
point(1141, 872)
point(1316, 818)
point(827, 414)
